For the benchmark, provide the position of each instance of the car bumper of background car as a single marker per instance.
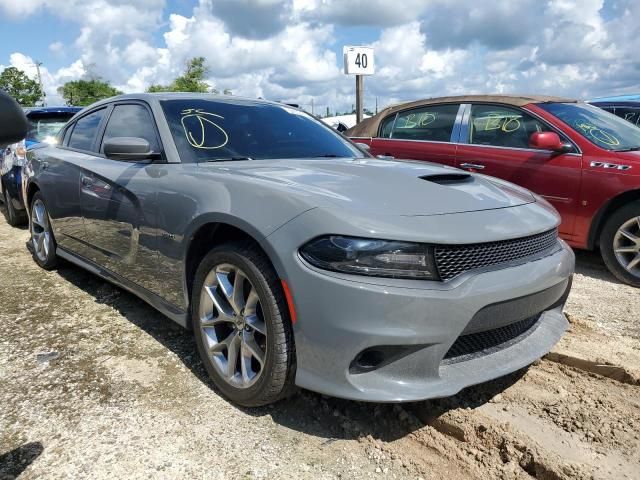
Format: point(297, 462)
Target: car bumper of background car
point(366, 341)
point(12, 182)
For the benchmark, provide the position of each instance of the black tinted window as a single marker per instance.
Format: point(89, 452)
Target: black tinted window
point(132, 121)
point(434, 123)
point(502, 126)
point(629, 114)
point(85, 129)
point(207, 130)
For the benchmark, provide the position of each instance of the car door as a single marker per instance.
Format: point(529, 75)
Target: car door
point(495, 141)
point(119, 201)
point(424, 133)
point(59, 179)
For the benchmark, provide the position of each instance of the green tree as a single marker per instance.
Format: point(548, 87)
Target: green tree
point(85, 92)
point(192, 80)
point(16, 83)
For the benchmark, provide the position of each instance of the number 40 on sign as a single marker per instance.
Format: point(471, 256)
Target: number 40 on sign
point(358, 61)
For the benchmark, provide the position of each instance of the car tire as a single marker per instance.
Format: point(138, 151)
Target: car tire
point(620, 244)
point(239, 312)
point(14, 218)
point(43, 243)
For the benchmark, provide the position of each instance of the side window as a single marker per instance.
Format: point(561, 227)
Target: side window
point(629, 114)
point(85, 130)
point(434, 123)
point(132, 121)
point(387, 125)
point(502, 126)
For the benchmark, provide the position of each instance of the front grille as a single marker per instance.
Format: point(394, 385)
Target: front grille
point(452, 260)
point(482, 343)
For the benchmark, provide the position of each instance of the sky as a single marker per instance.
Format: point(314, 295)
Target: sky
point(291, 50)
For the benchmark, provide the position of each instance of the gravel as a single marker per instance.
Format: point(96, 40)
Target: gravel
point(96, 384)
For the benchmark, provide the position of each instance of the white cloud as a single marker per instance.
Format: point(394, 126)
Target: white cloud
point(286, 49)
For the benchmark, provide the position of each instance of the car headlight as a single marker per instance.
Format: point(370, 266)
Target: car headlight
point(366, 256)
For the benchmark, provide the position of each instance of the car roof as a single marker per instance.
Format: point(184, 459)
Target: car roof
point(34, 111)
point(634, 97)
point(369, 127)
point(159, 96)
point(615, 103)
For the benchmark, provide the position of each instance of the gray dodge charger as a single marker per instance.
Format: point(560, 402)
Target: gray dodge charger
point(296, 257)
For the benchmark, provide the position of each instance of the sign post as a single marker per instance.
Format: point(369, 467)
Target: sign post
point(359, 61)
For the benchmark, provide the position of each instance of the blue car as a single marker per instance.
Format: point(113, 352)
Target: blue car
point(624, 106)
point(44, 125)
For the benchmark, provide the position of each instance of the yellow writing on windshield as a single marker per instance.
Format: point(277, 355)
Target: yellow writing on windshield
point(597, 134)
point(201, 129)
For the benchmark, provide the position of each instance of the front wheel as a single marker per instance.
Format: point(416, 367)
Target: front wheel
point(620, 244)
point(241, 325)
point(43, 244)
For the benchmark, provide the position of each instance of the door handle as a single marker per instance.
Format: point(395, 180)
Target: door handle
point(472, 166)
point(44, 165)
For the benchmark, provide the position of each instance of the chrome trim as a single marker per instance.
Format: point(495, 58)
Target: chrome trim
point(407, 140)
point(474, 166)
point(463, 138)
point(519, 149)
point(610, 166)
point(455, 133)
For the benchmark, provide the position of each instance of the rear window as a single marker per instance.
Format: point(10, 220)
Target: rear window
point(217, 130)
point(43, 127)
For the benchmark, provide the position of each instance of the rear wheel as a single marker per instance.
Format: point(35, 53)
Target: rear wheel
point(242, 327)
point(620, 244)
point(42, 241)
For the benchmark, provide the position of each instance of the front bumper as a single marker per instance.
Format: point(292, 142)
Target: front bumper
point(340, 316)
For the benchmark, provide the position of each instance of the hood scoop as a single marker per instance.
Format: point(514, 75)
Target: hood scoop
point(449, 178)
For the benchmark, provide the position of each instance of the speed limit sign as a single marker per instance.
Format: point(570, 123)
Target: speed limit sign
point(358, 61)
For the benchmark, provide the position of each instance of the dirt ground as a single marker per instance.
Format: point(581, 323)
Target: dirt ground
point(96, 384)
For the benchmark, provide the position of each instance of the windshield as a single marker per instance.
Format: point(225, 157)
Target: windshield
point(217, 130)
point(41, 127)
point(602, 128)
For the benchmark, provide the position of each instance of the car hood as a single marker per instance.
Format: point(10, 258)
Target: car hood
point(389, 187)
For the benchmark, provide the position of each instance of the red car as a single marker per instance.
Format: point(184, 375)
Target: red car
point(583, 160)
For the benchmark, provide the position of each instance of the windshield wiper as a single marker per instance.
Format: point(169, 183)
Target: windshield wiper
point(630, 149)
point(328, 155)
point(228, 159)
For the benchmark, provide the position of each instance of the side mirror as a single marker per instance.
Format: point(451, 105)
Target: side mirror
point(549, 141)
point(13, 123)
point(127, 148)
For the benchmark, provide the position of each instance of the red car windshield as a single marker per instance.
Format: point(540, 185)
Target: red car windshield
point(601, 128)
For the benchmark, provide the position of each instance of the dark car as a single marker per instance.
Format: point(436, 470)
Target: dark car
point(624, 106)
point(44, 125)
point(583, 160)
point(296, 258)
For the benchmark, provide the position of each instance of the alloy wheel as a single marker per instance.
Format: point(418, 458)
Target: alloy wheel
point(626, 246)
point(232, 325)
point(40, 231)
